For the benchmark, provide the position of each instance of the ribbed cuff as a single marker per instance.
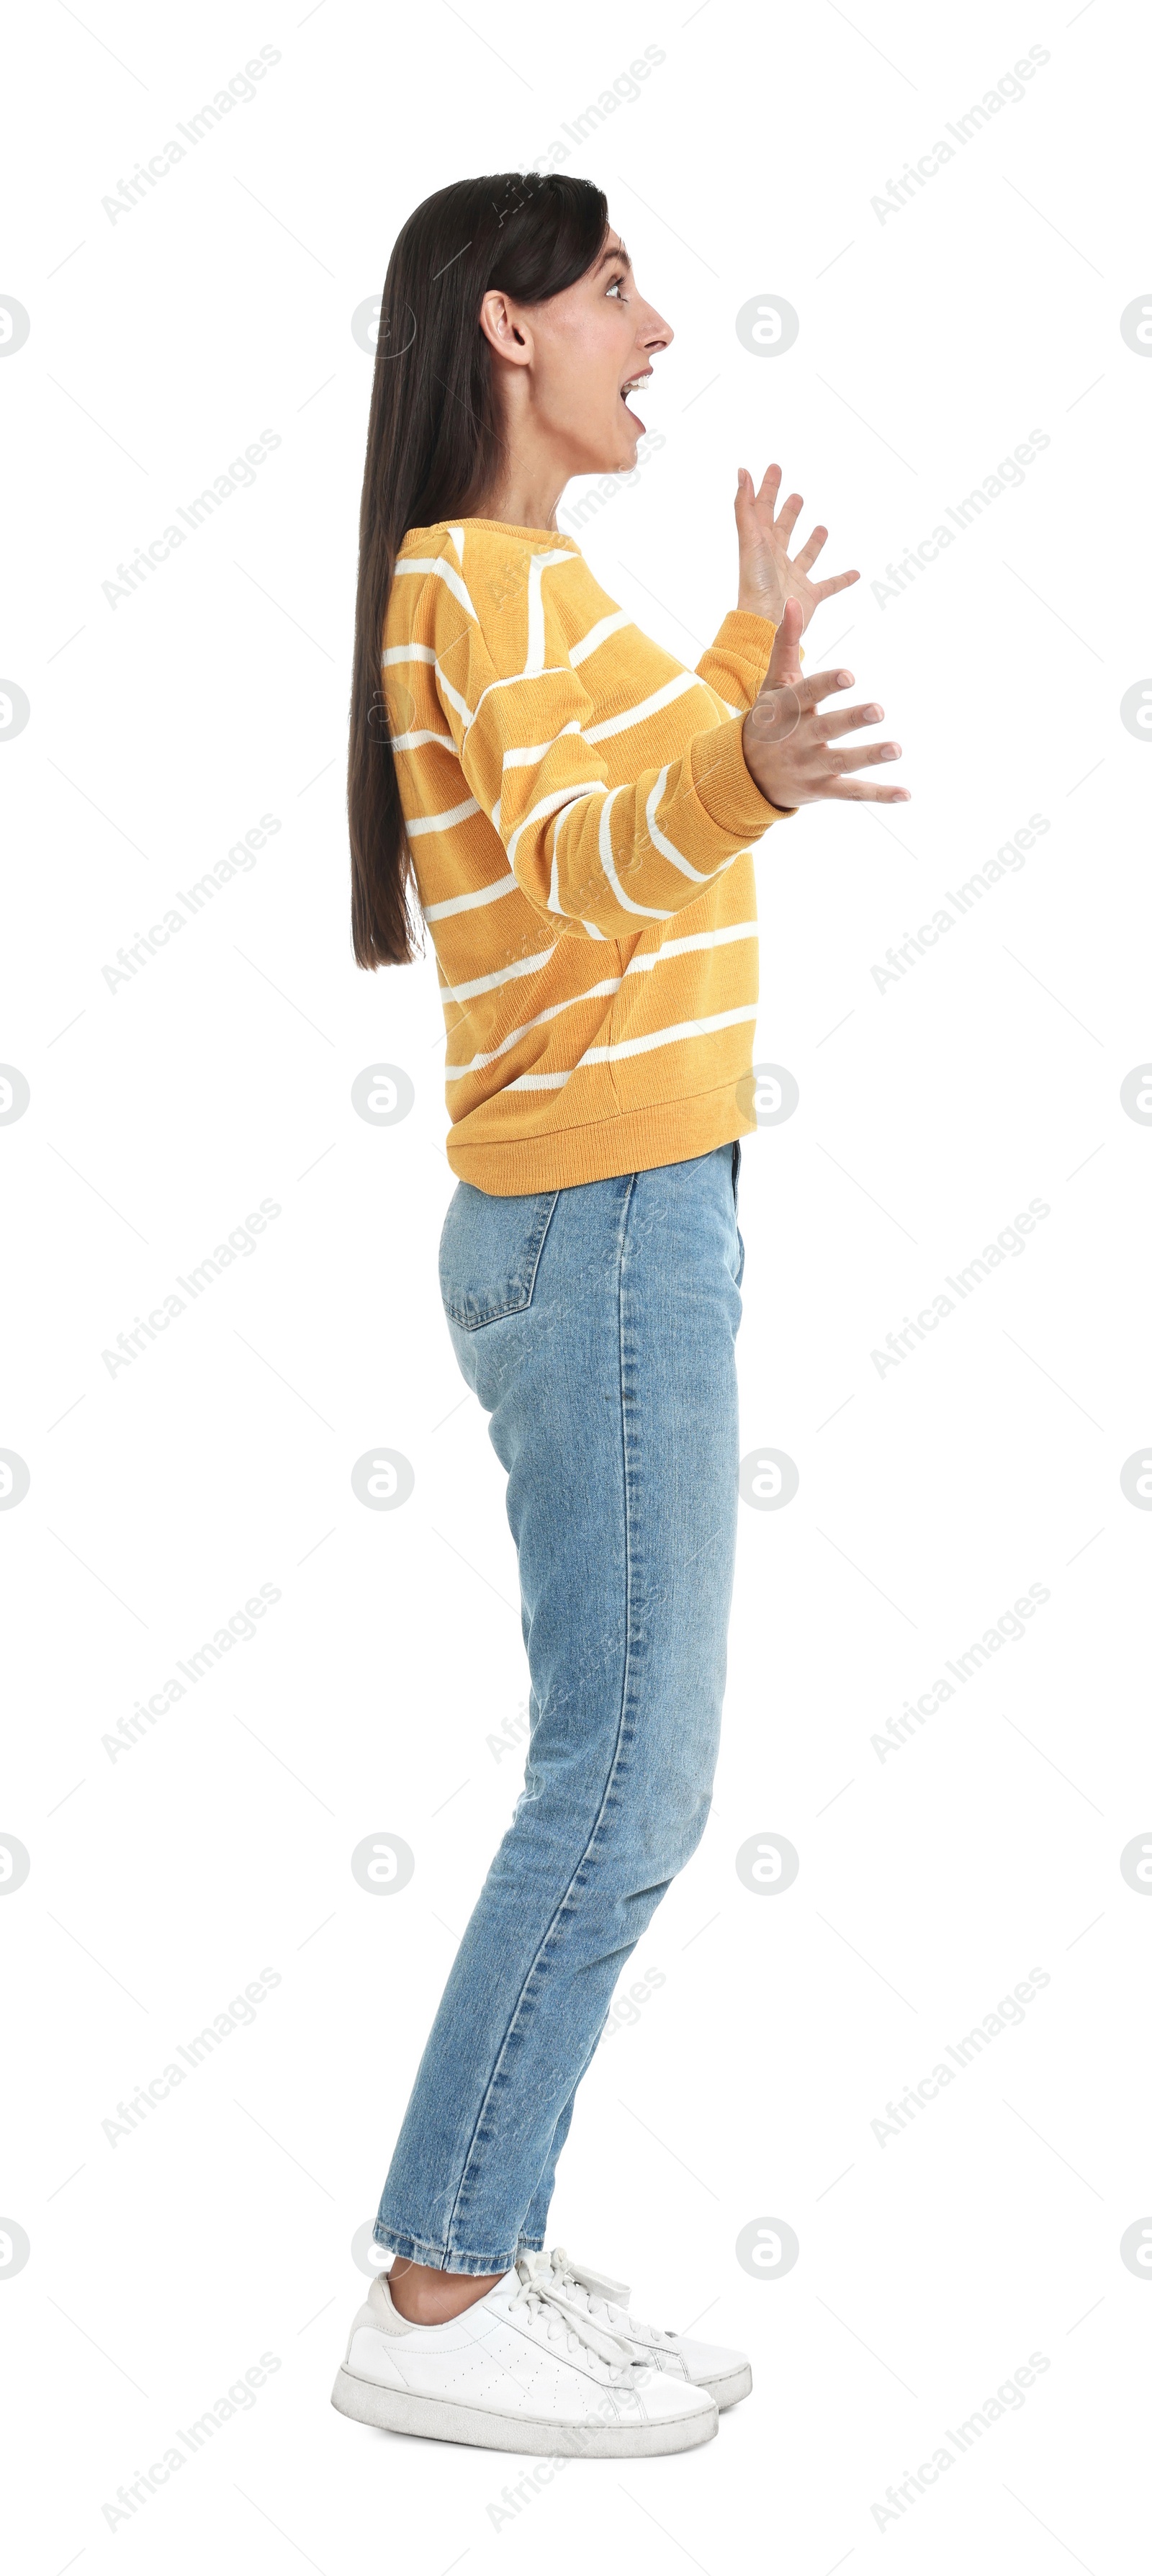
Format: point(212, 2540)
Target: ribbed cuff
point(750, 636)
point(725, 787)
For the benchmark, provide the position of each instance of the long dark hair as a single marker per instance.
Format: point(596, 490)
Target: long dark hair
point(434, 452)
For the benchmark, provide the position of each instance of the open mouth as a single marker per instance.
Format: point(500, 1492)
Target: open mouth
point(629, 387)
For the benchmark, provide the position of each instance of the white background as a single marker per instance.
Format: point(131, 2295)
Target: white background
point(164, 2262)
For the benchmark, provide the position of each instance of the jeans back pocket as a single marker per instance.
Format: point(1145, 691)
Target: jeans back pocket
point(489, 1252)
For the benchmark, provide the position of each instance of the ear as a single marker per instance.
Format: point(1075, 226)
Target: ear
point(510, 338)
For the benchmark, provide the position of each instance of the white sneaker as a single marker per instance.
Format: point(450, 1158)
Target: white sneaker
point(726, 2375)
point(527, 2368)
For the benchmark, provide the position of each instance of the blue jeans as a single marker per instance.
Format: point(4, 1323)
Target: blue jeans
point(597, 1326)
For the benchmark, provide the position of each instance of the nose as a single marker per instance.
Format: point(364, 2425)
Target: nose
point(655, 333)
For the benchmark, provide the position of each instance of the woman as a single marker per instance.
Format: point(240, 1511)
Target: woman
point(577, 812)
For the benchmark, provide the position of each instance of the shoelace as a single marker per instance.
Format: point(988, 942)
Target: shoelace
point(543, 2291)
point(596, 2286)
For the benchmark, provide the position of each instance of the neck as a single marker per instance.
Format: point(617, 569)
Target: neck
point(533, 471)
point(522, 501)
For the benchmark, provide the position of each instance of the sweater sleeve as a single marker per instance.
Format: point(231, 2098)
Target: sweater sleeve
point(606, 860)
point(736, 665)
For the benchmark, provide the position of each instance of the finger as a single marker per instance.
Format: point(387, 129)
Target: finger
point(835, 581)
point(787, 517)
point(843, 720)
point(784, 667)
point(769, 488)
point(839, 763)
point(860, 791)
point(821, 684)
point(810, 549)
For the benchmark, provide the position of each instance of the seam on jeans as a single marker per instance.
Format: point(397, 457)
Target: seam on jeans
point(562, 1902)
point(414, 2249)
point(513, 1306)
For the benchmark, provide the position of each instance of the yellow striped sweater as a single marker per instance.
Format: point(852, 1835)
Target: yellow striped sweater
point(580, 819)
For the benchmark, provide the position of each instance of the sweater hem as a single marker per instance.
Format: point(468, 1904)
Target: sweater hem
point(638, 1140)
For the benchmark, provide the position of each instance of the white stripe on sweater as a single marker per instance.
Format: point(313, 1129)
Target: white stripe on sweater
point(537, 567)
point(526, 753)
point(503, 975)
point(441, 571)
point(469, 902)
point(476, 1063)
point(666, 847)
point(552, 803)
point(627, 716)
point(636, 1046)
point(636, 965)
point(425, 653)
point(693, 939)
point(671, 1037)
point(521, 756)
point(417, 823)
point(511, 680)
point(650, 911)
point(597, 635)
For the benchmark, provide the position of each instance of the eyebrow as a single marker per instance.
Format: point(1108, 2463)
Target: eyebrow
point(621, 254)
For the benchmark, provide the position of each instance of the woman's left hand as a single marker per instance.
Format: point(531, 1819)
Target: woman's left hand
point(769, 575)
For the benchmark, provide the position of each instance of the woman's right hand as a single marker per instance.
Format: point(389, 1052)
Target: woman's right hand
point(788, 743)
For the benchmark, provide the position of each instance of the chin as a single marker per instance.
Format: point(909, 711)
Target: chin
point(626, 446)
point(615, 455)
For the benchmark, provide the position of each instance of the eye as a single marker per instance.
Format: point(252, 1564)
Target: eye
point(613, 281)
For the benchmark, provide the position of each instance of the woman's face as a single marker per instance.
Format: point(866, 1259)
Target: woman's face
point(569, 360)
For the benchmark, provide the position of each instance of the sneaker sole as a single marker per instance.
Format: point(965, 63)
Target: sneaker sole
point(396, 2410)
point(728, 2387)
